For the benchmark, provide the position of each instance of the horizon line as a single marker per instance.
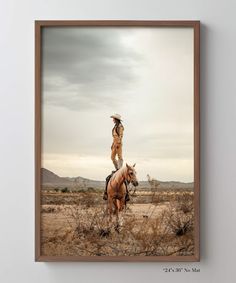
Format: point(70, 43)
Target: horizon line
point(177, 181)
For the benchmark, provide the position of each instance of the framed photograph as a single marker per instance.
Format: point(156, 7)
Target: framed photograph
point(117, 145)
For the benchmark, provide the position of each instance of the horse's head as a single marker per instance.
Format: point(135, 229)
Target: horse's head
point(131, 175)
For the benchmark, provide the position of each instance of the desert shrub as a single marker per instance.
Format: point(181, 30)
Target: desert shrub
point(185, 202)
point(179, 222)
point(186, 207)
point(65, 190)
point(48, 209)
point(91, 189)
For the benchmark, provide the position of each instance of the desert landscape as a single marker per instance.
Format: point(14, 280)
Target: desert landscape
point(158, 219)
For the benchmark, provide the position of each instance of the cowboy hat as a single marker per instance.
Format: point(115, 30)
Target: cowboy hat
point(116, 116)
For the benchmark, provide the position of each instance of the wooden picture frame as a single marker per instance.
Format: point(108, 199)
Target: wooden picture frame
point(39, 26)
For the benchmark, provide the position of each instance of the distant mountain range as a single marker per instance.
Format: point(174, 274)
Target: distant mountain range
point(51, 180)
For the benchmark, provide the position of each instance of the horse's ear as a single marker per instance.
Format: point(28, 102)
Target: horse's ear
point(134, 164)
point(127, 165)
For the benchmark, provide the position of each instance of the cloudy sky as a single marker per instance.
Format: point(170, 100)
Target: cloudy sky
point(144, 74)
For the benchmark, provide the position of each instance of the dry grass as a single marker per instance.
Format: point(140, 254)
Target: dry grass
point(154, 224)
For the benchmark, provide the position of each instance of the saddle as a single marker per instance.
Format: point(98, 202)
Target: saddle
point(108, 179)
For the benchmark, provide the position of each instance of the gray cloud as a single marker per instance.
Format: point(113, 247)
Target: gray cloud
point(161, 146)
point(146, 76)
point(82, 67)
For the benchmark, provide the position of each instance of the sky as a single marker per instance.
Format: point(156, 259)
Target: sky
point(143, 73)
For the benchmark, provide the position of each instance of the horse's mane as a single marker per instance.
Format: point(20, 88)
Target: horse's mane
point(119, 172)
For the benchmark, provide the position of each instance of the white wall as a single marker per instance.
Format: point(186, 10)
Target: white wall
point(218, 100)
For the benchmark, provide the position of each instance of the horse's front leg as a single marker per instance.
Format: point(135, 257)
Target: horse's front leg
point(122, 204)
point(109, 207)
point(119, 215)
point(121, 211)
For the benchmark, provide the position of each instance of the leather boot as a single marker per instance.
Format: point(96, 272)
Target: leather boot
point(116, 164)
point(105, 197)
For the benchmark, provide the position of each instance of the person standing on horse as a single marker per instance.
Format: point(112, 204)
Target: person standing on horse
point(116, 149)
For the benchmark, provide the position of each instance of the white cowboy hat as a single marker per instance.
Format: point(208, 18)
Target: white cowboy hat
point(116, 116)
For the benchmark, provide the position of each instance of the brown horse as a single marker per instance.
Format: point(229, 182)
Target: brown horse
point(116, 188)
